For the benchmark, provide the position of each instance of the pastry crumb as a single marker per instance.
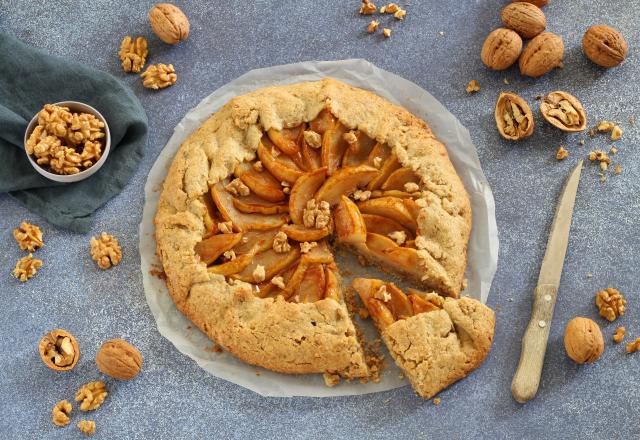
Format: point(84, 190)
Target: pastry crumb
point(226, 227)
point(331, 379)
point(473, 86)
point(257, 165)
point(411, 187)
point(437, 401)
point(386, 32)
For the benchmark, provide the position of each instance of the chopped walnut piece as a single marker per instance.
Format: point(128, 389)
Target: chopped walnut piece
point(281, 243)
point(361, 195)
point(506, 81)
point(88, 427)
point(259, 274)
point(382, 294)
point(133, 53)
point(105, 250)
point(159, 76)
point(278, 282)
point(437, 401)
point(473, 86)
point(305, 247)
point(26, 268)
point(313, 139)
point(377, 161)
point(60, 413)
point(605, 126)
point(350, 137)
point(91, 395)
point(391, 8)
point(400, 14)
point(367, 7)
point(411, 187)
point(258, 166)
point(618, 336)
point(599, 156)
point(398, 236)
point(28, 236)
point(237, 188)
point(616, 133)
point(386, 32)
point(331, 380)
point(562, 153)
point(316, 215)
point(617, 169)
point(373, 26)
point(633, 346)
point(613, 151)
point(604, 166)
point(226, 227)
point(610, 303)
point(230, 255)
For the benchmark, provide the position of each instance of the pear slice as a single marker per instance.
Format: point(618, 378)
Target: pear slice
point(261, 183)
point(323, 122)
point(303, 191)
point(412, 208)
point(398, 179)
point(366, 287)
point(240, 220)
point(254, 205)
point(332, 290)
point(393, 193)
point(282, 168)
point(421, 305)
point(294, 281)
point(384, 225)
point(268, 289)
point(209, 216)
point(313, 284)
point(349, 224)
point(358, 152)
point(311, 156)
point(388, 167)
point(295, 158)
point(286, 139)
point(385, 253)
point(232, 266)
point(392, 208)
point(272, 262)
point(211, 248)
point(381, 151)
point(258, 241)
point(333, 147)
point(319, 254)
point(382, 316)
point(300, 233)
point(399, 303)
point(345, 181)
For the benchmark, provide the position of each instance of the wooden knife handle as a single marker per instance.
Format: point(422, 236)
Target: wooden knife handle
point(534, 344)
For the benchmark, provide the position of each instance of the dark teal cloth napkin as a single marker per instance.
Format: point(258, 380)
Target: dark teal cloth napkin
point(30, 78)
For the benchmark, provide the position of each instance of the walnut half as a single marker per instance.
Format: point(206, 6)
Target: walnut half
point(28, 236)
point(26, 268)
point(59, 350)
point(60, 413)
point(610, 303)
point(105, 251)
point(159, 76)
point(91, 395)
point(514, 118)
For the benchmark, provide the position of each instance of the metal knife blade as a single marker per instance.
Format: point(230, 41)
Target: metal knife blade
point(534, 342)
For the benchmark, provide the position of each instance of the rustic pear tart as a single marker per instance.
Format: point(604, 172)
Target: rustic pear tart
point(257, 199)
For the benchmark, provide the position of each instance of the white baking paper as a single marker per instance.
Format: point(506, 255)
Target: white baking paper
point(483, 246)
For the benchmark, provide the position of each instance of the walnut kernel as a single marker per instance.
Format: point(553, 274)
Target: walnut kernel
point(562, 153)
point(305, 247)
point(280, 243)
point(386, 32)
point(259, 274)
point(60, 413)
point(367, 7)
point(473, 86)
point(26, 268)
point(159, 76)
point(88, 427)
point(618, 336)
point(91, 395)
point(28, 236)
point(316, 215)
point(237, 188)
point(133, 53)
point(610, 303)
point(105, 250)
point(313, 139)
point(372, 27)
point(633, 346)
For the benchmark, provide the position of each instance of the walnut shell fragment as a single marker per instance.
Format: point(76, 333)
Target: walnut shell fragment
point(169, 23)
point(563, 111)
point(541, 55)
point(501, 49)
point(604, 45)
point(514, 118)
point(526, 19)
point(118, 358)
point(59, 350)
point(583, 340)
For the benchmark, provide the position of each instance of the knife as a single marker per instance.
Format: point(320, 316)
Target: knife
point(534, 342)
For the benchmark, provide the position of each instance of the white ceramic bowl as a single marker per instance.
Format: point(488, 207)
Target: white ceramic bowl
point(77, 107)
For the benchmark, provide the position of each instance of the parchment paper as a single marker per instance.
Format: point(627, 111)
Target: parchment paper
point(483, 245)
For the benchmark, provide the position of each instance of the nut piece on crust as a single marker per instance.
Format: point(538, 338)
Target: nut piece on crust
point(28, 236)
point(610, 303)
point(583, 340)
point(59, 350)
point(105, 250)
point(60, 413)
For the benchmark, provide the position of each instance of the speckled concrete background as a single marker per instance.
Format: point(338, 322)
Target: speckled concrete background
point(173, 398)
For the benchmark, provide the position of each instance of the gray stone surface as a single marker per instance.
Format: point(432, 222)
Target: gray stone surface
point(174, 398)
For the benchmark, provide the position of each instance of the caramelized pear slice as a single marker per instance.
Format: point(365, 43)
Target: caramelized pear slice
point(349, 224)
point(303, 191)
point(268, 289)
point(211, 248)
point(300, 233)
point(323, 122)
point(258, 241)
point(388, 167)
point(358, 152)
point(381, 315)
point(209, 216)
point(282, 168)
point(381, 151)
point(333, 147)
point(391, 257)
point(286, 139)
point(332, 290)
point(412, 208)
point(421, 305)
point(232, 266)
point(384, 225)
point(255, 205)
point(319, 254)
point(390, 207)
point(240, 220)
point(311, 156)
point(366, 287)
point(261, 183)
point(294, 281)
point(313, 284)
point(344, 182)
point(295, 158)
point(398, 179)
point(393, 193)
point(399, 303)
point(272, 262)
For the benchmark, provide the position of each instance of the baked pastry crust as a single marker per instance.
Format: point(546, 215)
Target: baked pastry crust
point(289, 337)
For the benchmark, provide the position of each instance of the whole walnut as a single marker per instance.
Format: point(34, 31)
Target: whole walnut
point(526, 19)
point(169, 23)
point(538, 3)
point(118, 358)
point(604, 45)
point(541, 55)
point(501, 49)
point(583, 340)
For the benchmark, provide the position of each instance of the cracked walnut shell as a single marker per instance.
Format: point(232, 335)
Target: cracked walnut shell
point(501, 49)
point(60, 413)
point(105, 250)
point(604, 45)
point(26, 268)
point(563, 111)
point(119, 359)
point(59, 350)
point(583, 340)
point(526, 19)
point(514, 118)
point(133, 53)
point(28, 236)
point(159, 76)
point(169, 23)
point(610, 303)
point(541, 55)
point(91, 395)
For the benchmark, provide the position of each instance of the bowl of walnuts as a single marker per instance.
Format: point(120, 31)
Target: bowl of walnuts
point(67, 141)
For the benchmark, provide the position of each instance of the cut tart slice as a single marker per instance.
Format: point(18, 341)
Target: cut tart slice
point(435, 341)
point(255, 199)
